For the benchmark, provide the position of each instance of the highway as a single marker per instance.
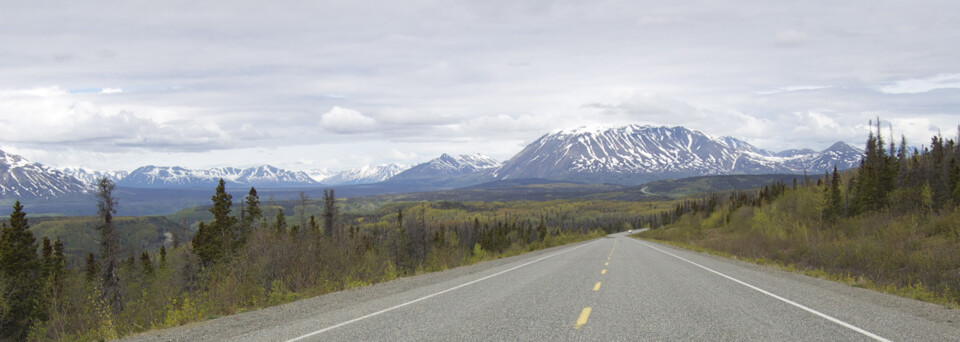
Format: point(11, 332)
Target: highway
point(610, 289)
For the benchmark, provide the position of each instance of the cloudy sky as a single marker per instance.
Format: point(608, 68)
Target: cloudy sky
point(338, 84)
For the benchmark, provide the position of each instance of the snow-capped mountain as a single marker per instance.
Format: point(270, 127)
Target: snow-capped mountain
point(450, 171)
point(178, 177)
point(93, 176)
point(368, 174)
point(21, 179)
point(637, 154)
point(320, 175)
point(271, 177)
point(840, 154)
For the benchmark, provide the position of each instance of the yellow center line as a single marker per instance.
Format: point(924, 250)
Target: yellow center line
point(604, 271)
point(596, 287)
point(583, 318)
point(606, 264)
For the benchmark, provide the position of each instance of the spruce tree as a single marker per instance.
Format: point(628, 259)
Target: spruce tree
point(205, 245)
point(835, 202)
point(109, 246)
point(253, 213)
point(313, 224)
point(329, 212)
point(163, 257)
point(219, 239)
point(280, 223)
point(59, 263)
point(46, 256)
point(92, 269)
point(146, 265)
point(224, 225)
point(20, 274)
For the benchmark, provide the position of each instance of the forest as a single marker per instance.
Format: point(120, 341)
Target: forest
point(239, 255)
point(893, 224)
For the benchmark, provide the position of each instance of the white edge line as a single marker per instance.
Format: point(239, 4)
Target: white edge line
point(430, 295)
point(815, 312)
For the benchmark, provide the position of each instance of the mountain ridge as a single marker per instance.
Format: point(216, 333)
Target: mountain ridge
point(625, 155)
point(635, 154)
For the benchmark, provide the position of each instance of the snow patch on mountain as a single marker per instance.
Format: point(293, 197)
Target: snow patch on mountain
point(93, 176)
point(367, 174)
point(447, 167)
point(179, 177)
point(636, 154)
point(21, 179)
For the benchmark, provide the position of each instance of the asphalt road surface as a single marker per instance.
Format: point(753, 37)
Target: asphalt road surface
point(611, 289)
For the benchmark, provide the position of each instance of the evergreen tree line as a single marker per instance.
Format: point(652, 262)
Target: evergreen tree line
point(31, 276)
point(889, 178)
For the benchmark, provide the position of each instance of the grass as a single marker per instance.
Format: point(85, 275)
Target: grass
point(915, 291)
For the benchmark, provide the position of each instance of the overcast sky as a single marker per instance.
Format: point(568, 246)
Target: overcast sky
point(337, 84)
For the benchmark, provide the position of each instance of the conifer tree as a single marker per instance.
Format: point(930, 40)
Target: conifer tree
point(876, 176)
point(400, 241)
point(223, 224)
point(92, 269)
point(252, 209)
point(205, 245)
point(313, 224)
point(835, 201)
point(163, 257)
point(20, 274)
point(145, 264)
point(46, 256)
point(109, 246)
point(219, 239)
point(280, 223)
point(59, 263)
point(329, 212)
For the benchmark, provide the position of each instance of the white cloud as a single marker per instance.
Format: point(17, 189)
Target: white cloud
point(38, 92)
point(346, 120)
point(791, 38)
point(483, 75)
point(496, 124)
point(790, 89)
point(58, 117)
point(922, 85)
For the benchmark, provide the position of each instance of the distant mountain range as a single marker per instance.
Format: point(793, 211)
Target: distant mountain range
point(167, 177)
point(93, 176)
point(19, 178)
point(368, 174)
point(627, 155)
point(635, 154)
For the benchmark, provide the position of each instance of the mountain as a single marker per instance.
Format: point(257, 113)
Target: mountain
point(271, 177)
point(92, 176)
point(21, 179)
point(175, 177)
point(840, 154)
point(368, 174)
point(794, 152)
point(320, 175)
point(636, 154)
point(449, 171)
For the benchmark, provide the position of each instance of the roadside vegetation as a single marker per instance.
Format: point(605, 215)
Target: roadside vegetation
point(892, 225)
point(244, 255)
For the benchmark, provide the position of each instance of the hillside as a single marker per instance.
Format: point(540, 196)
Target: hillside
point(677, 188)
point(79, 233)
